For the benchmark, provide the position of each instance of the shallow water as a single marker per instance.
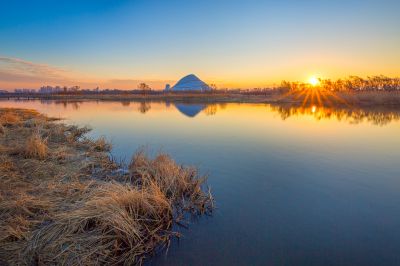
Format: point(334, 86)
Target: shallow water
point(293, 186)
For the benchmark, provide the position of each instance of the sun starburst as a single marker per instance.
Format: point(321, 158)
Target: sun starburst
point(313, 80)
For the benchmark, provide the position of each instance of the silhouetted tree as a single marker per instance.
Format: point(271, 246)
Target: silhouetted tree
point(213, 87)
point(144, 87)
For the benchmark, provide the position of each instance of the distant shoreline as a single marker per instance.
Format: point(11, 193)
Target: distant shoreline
point(354, 98)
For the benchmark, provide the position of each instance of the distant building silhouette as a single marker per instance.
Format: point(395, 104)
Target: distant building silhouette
point(24, 91)
point(57, 89)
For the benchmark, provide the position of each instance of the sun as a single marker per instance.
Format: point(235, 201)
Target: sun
point(313, 80)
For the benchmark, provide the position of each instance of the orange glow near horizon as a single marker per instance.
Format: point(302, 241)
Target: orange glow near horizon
point(19, 73)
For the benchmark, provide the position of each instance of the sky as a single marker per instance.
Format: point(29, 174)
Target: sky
point(247, 43)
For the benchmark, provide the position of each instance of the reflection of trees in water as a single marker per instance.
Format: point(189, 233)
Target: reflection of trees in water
point(46, 101)
point(144, 107)
point(20, 100)
point(211, 109)
point(126, 103)
point(74, 104)
point(375, 115)
point(323, 102)
point(222, 106)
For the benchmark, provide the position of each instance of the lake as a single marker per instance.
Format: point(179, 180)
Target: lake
point(293, 186)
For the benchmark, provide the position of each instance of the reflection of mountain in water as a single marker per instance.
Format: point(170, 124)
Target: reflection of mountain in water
point(190, 110)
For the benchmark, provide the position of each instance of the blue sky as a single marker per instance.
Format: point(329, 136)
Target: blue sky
point(231, 43)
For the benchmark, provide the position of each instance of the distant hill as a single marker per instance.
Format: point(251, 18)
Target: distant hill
point(190, 83)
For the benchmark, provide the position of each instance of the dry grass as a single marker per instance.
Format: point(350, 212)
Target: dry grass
point(63, 202)
point(74, 133)
point(116, 224)
point(101, 145)
point(9, 118)
point(181, 185)
point(16, 213)
point(368, 98)
point(122, 222)
point(36, 147)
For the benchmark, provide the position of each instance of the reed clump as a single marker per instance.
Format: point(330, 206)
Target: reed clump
point(101, 144)
point(64, 201)
point(36, 147)
point(182, 186)
point(74, 133)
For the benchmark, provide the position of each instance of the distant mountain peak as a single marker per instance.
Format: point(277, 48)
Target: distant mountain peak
point(190, 83)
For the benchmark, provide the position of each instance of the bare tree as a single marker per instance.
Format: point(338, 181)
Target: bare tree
point(144, 87)
point(213, 87)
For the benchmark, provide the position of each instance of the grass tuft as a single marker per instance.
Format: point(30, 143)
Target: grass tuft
point(181, 185)
point(74, 133)
point(101, 144)
point(36, 147)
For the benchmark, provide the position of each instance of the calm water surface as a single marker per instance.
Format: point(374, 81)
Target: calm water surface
point(314, 188)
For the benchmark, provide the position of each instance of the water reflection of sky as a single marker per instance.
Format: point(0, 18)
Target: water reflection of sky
point(253, 125)
point(291, 187)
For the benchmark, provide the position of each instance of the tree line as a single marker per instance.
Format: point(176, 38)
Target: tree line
point(352, 83)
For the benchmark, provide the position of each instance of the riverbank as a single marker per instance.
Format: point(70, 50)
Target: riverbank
point(172, 97)
point(309, 97)
point(64, 201)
